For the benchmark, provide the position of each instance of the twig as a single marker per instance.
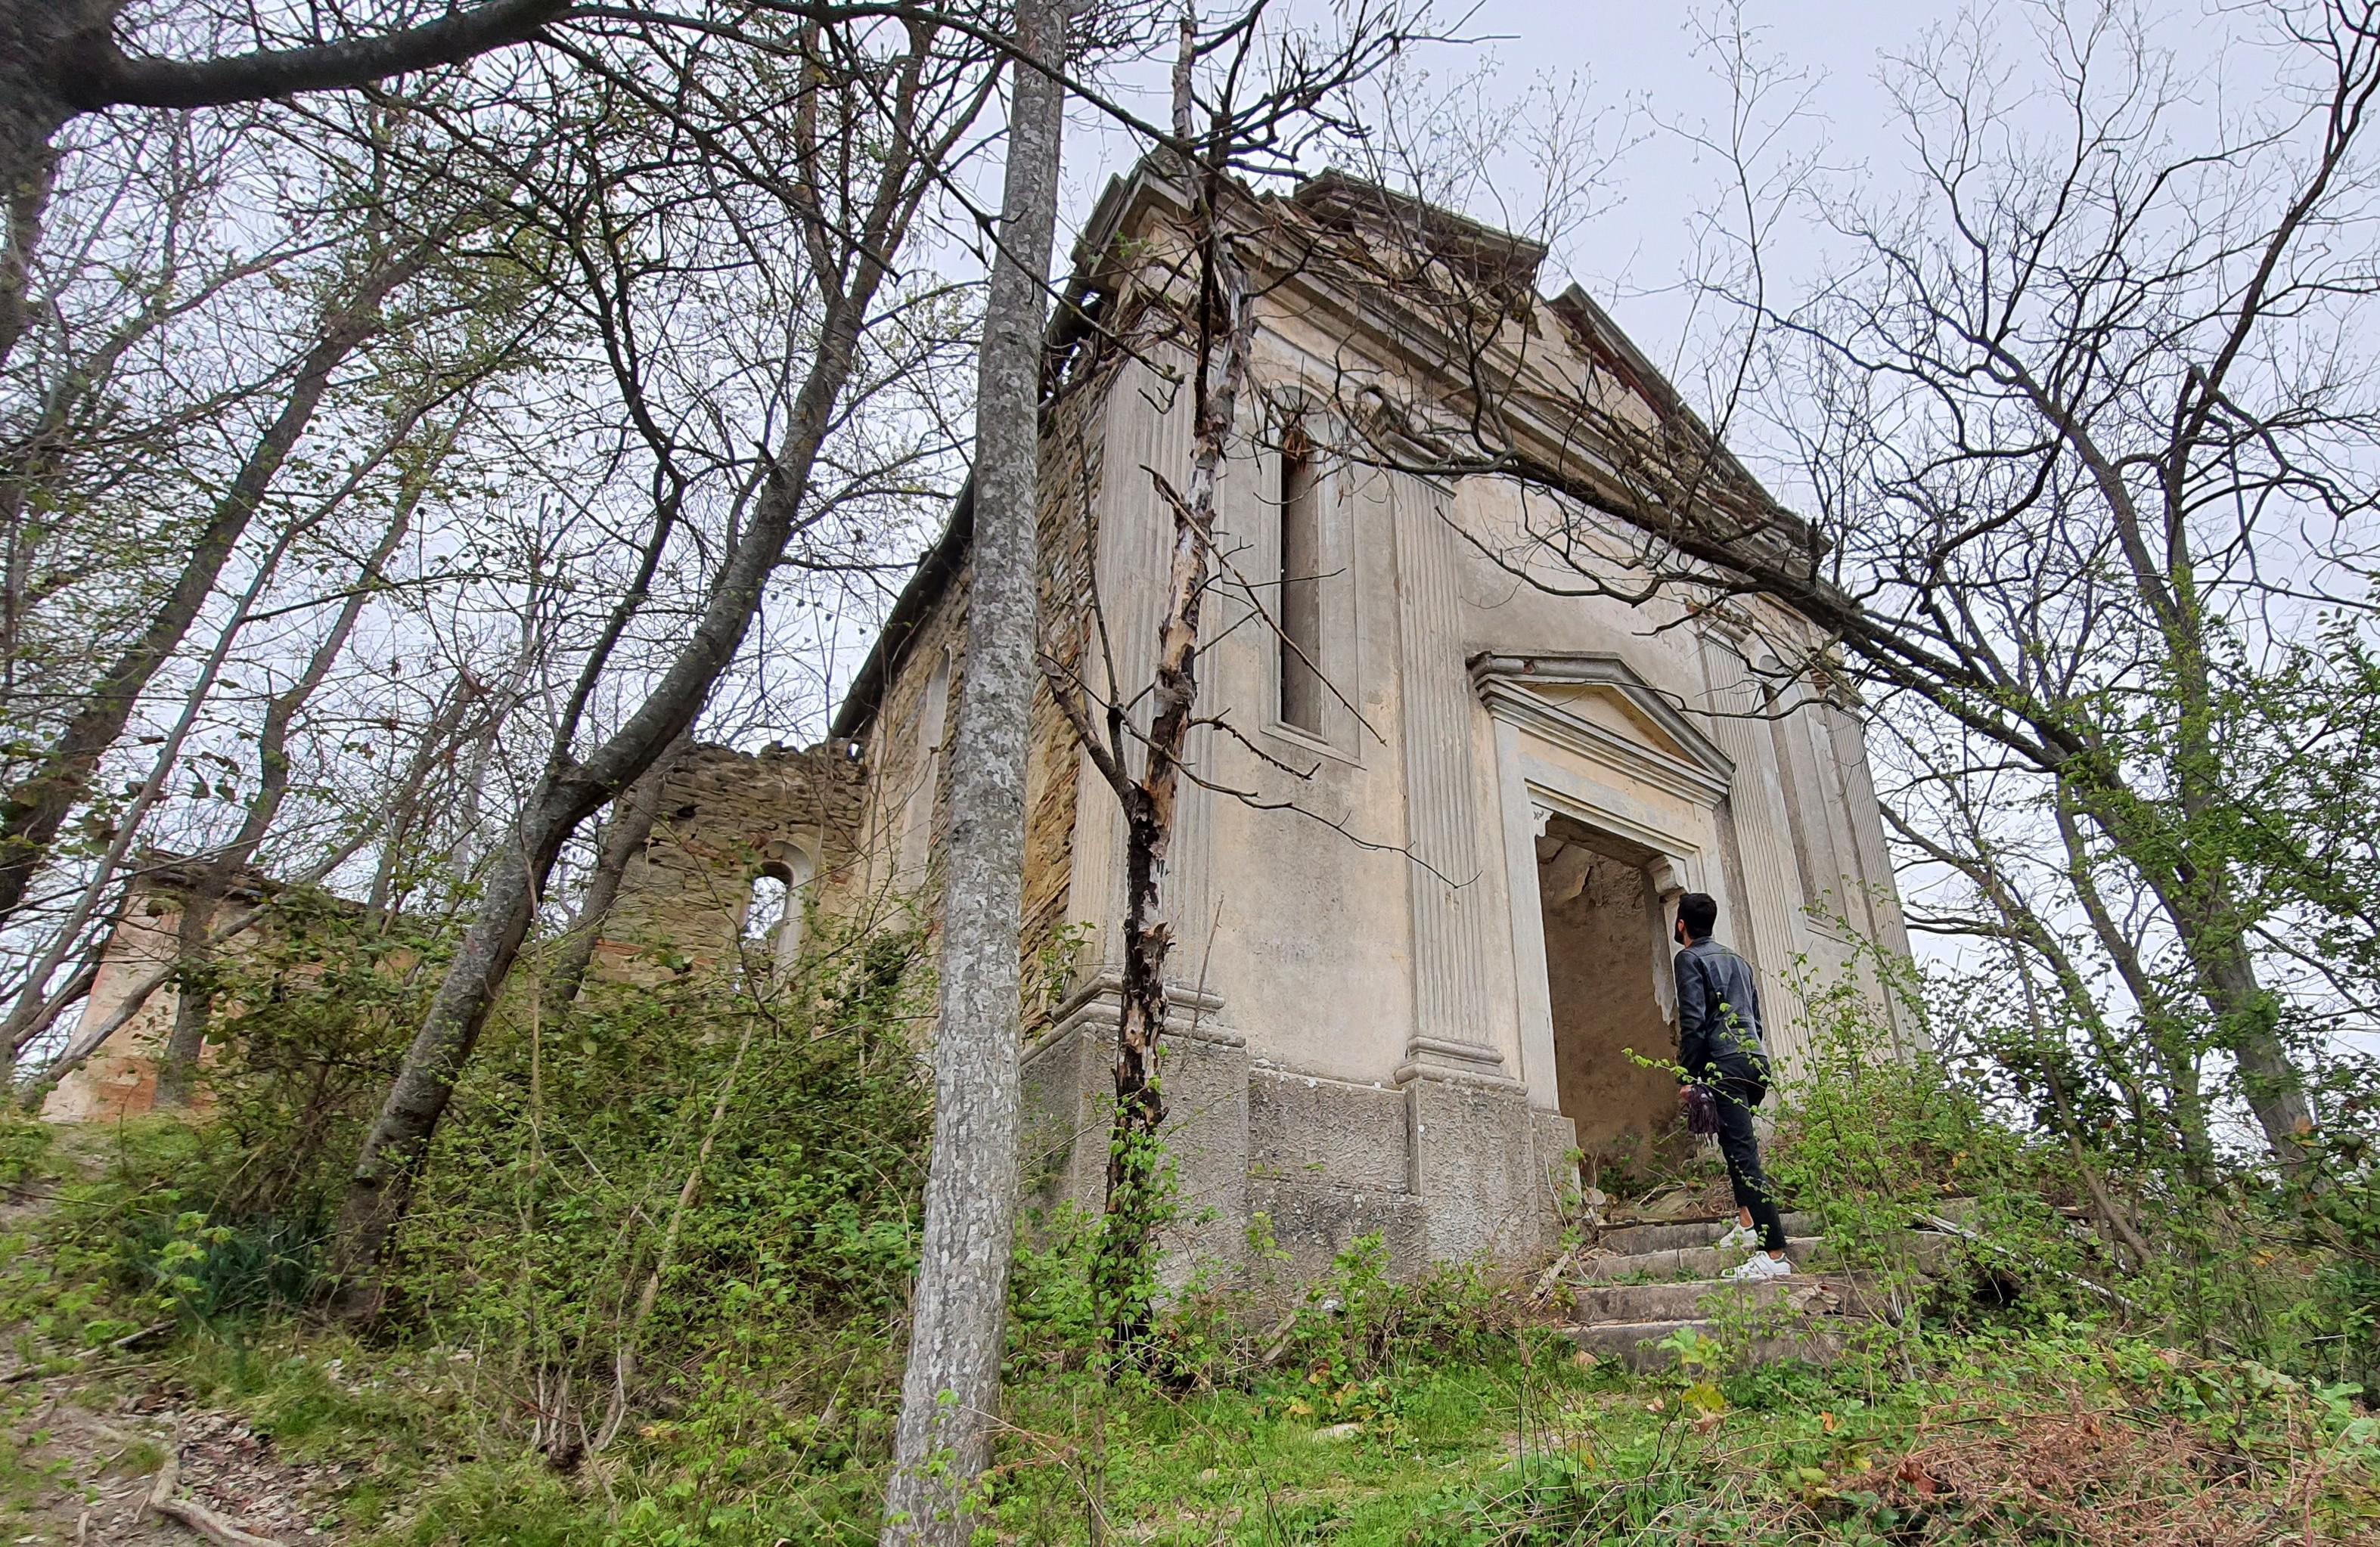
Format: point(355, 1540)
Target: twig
point(30, 1370)
point(1936, 1222)
point(207, 1523)
point(1552, 1275)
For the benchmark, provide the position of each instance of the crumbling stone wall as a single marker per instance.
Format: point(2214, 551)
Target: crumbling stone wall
point(905, 740)
point(727, 818)
point(120, 1079)
point(1071, 465)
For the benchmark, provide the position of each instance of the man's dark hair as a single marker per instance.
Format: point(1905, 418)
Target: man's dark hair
point(1698, 910)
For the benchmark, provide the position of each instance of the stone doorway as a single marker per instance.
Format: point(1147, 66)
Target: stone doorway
point(1605, 955)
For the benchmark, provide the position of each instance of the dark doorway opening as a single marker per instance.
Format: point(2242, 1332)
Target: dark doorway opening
point(1604, 952)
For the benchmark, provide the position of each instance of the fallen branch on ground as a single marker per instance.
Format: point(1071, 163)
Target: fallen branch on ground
point(198, 1518)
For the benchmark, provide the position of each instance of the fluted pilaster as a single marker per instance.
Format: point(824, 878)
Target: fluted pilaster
point(1449, 899)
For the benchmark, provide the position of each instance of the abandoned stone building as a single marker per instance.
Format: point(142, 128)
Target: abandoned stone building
point(1423, 887)
point(1422, 881)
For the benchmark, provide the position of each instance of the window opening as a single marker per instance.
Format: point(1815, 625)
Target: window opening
point(1301, 584)
point(765, 911)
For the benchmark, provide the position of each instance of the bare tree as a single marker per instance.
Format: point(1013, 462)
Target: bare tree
point(60, 59)
point(38, 805)
point(214, 879)
point(950, 1390)
point(909, 97)
point(2067, 425)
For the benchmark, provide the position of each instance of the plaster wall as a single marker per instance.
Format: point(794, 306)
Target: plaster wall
point(120, 1080)
point(1366, 1033)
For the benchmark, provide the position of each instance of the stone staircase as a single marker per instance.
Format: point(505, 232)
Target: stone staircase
point(1644, 1284)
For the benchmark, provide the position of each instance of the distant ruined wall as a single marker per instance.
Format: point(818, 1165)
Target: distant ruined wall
point(728, 818)
point(120, 1079)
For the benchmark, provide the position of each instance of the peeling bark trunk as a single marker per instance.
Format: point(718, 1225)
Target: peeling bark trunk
point(949, 1393)
point(1225, 322)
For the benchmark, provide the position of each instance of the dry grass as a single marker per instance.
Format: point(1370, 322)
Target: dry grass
point(2128, 1480)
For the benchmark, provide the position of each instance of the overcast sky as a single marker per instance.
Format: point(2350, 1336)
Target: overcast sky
point(1638, 69)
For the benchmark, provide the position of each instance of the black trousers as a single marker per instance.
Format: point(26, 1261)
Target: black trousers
point(1738, 1094)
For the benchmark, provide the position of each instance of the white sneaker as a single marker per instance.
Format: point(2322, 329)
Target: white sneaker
point(1757, 1268)
point(1739, 1238)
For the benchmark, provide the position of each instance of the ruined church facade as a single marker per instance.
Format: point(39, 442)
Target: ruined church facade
point(1421, 885)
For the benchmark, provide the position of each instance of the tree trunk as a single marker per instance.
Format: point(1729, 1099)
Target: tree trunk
point(2245, 1015)
point(379, 1188)
point(33, 33)
point(633, 815)
point(194, 1004)
point(2247, 1023)
point(28, 166)
point(194, 1001)
point(1225, 325)
point(949, 1393)
point(34, 810)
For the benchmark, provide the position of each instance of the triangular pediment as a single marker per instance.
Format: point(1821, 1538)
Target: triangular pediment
point(1598, 704)
point(1613, 709)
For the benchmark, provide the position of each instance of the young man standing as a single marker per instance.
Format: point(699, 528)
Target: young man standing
point(1719, 1046)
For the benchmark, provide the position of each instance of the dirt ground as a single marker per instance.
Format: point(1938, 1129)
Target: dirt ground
point(88, 1444)
point(85, 1476)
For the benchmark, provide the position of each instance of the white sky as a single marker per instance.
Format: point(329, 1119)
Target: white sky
point(1640, 65)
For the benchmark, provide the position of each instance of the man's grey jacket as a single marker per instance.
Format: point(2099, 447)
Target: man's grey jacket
point(1713, 981)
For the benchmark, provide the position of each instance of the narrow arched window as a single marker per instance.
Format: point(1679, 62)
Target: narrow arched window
point(800, 870)
point(1300, 610)
point(765, 912)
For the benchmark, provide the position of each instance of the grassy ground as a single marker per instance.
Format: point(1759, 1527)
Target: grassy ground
point(2039, 1437)
point(1452, 1417)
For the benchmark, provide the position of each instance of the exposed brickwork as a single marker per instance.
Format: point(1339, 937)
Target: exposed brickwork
point(1072, 451)
point(727, 819)
point(900, 765)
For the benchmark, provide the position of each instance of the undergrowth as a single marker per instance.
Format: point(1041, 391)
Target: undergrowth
point(653, 1294)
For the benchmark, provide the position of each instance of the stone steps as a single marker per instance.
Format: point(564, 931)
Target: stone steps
point(1689, 1299)
point(1637, 1344)
point(1801, 1317)
point(1932, 1253)
point(1629, 1239)
point(1666, 1281)
point(1679, 1262)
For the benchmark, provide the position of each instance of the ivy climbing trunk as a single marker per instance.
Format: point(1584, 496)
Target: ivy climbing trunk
point(1224, 328)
